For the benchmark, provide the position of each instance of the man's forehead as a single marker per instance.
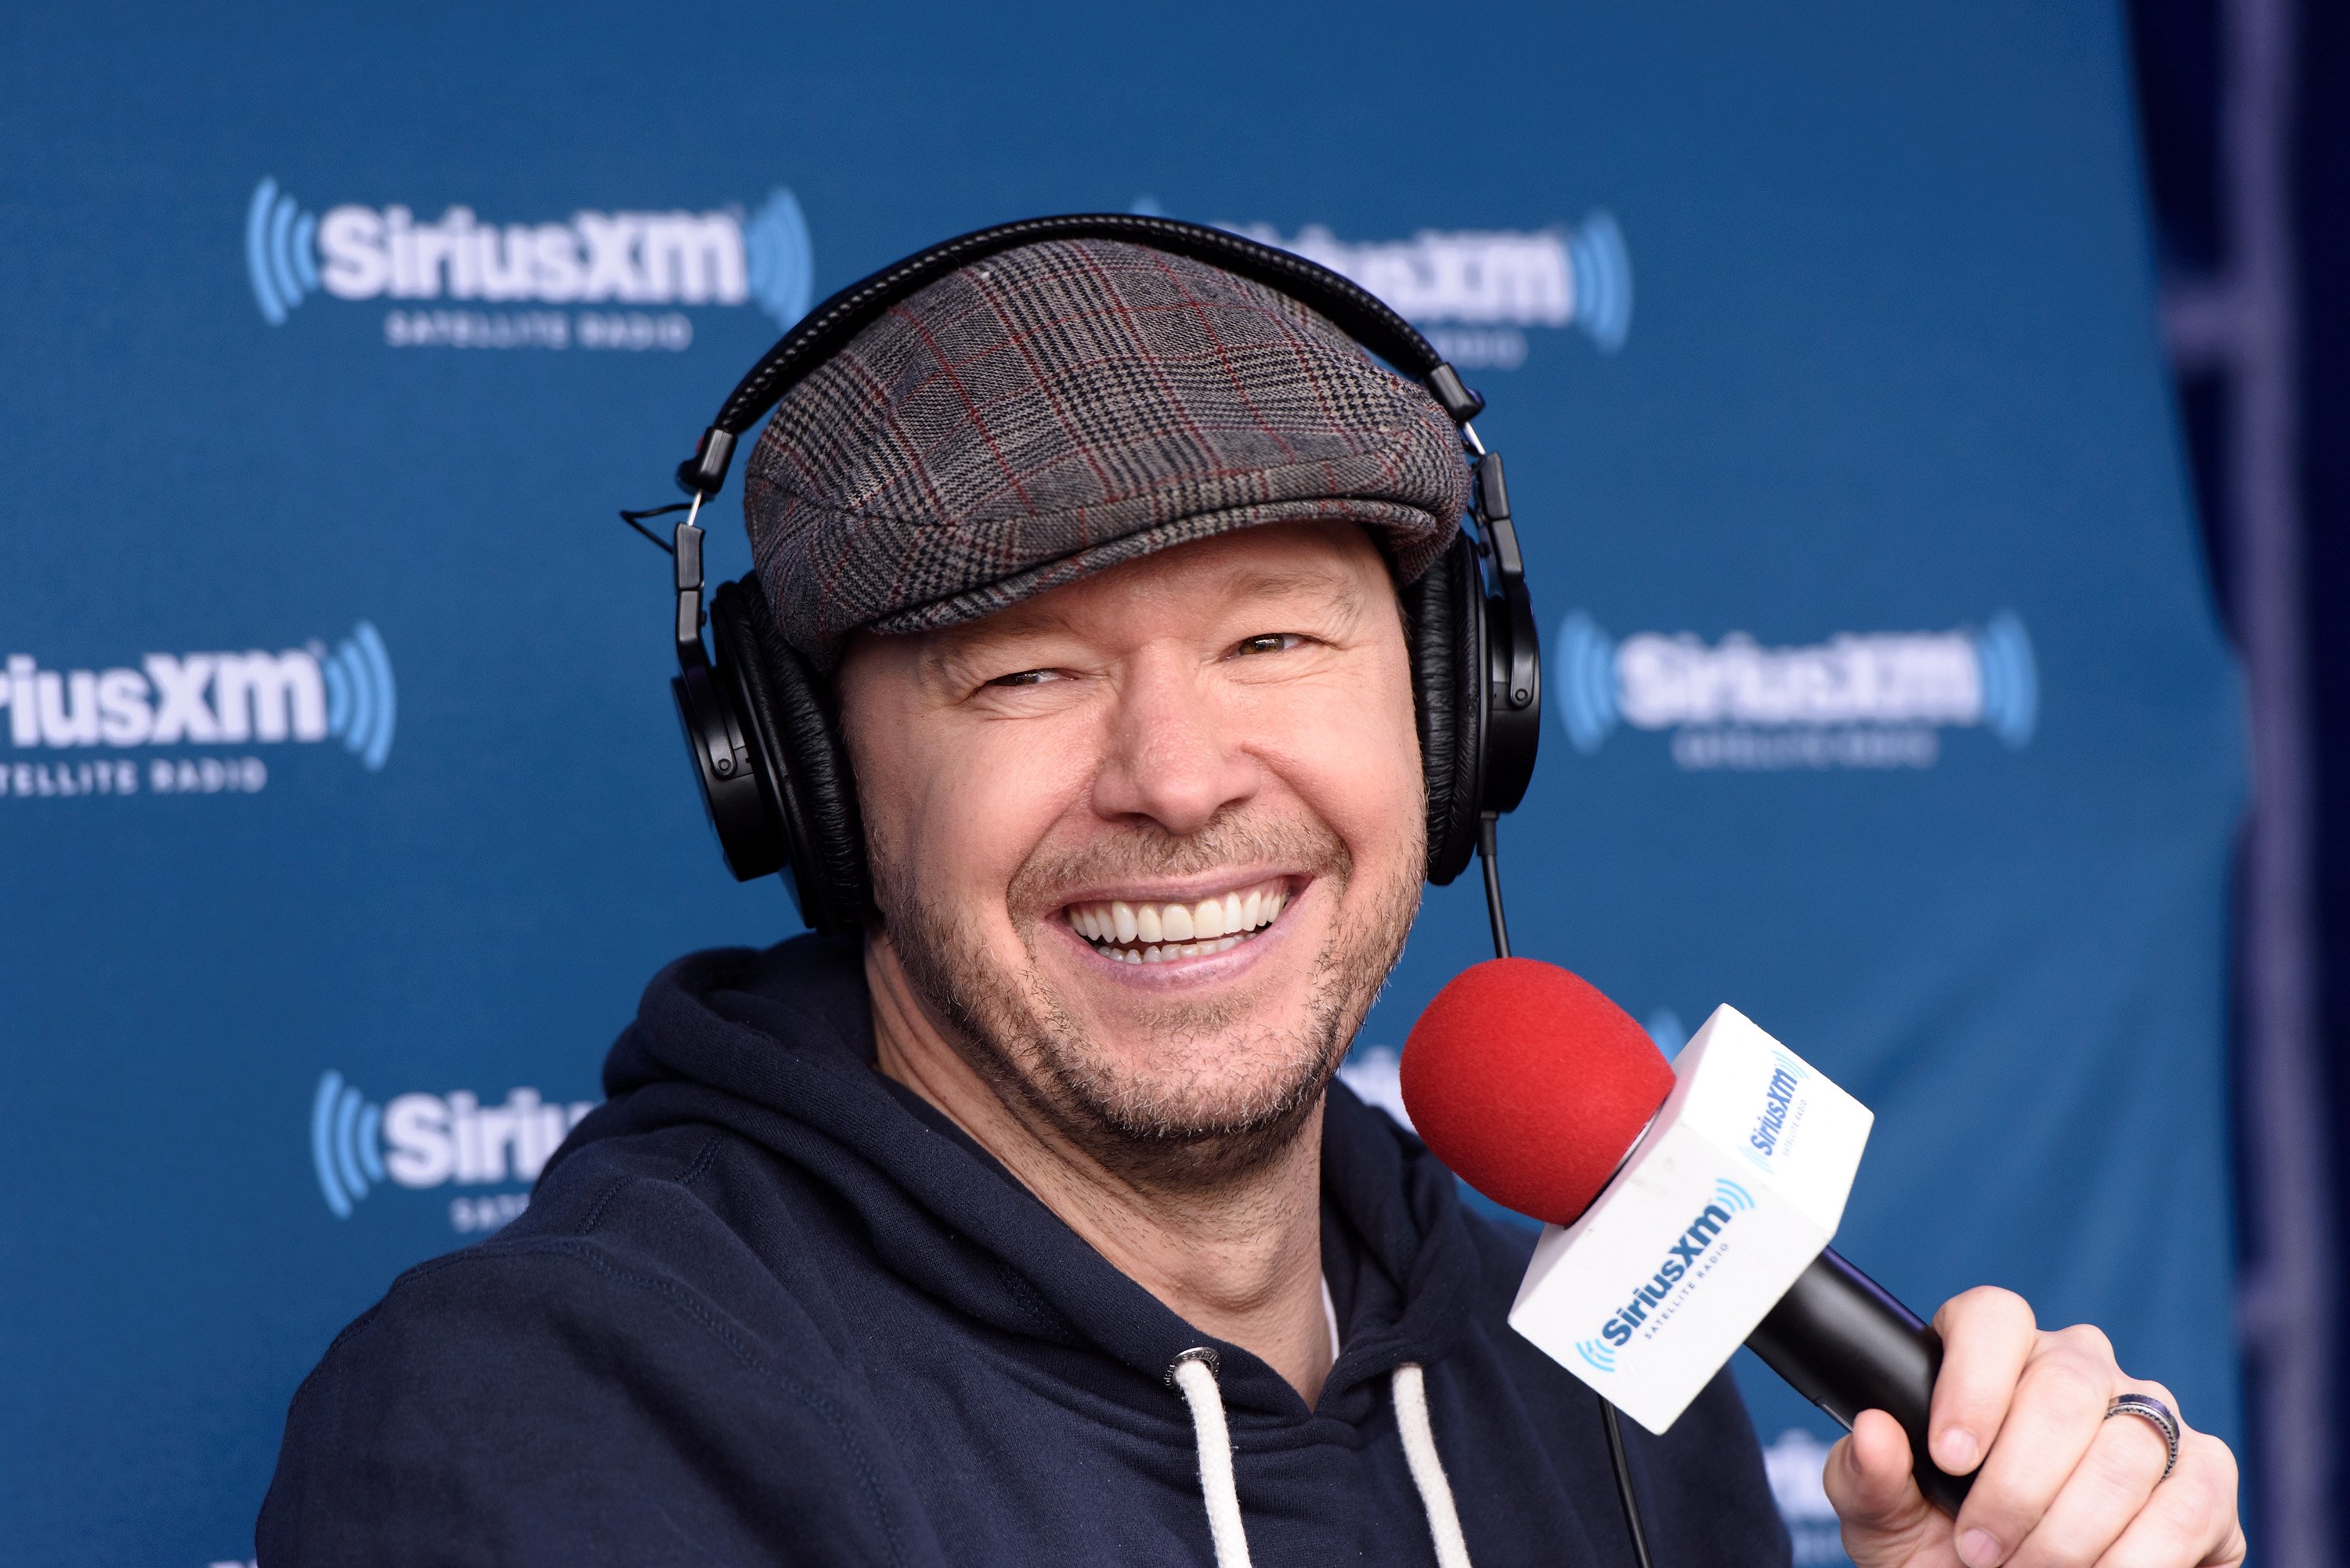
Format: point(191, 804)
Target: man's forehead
point(1328, 566)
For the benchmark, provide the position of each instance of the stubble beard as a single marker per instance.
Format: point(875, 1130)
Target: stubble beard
point(1252, 1087)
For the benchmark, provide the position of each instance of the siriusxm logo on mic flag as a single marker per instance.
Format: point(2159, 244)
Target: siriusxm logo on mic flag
point(1473, 292)
point(1779, 1122)
point(419, 1141)
point(197, 700)
point(1646, 1296)
point(620, 258)
point(1857, 700)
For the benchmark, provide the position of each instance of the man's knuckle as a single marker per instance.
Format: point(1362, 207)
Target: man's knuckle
point(2008, 1507)
point(1991, 1303)
point(2073, 1543)
point(2215, 1458)
point(2127, 1465)
point(2086, 1339)
point(2068, 1380)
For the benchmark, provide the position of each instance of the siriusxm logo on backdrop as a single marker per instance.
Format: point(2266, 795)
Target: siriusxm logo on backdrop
point(1686, 1262)
point(254, 697)
point(1473, 293)
point(421, 1141)
point(1874, 699)
point(609, 259)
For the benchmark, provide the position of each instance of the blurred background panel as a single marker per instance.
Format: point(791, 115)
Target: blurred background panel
point(1894, 695)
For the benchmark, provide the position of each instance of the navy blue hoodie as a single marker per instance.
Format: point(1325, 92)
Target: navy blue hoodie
point(767, 1306)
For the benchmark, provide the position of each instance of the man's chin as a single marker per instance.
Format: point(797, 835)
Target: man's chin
point(1173, 1131)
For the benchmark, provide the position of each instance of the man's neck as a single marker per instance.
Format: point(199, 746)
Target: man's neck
point(1242, 1260)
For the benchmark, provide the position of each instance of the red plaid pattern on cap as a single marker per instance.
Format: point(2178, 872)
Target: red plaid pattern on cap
point(1054, 411)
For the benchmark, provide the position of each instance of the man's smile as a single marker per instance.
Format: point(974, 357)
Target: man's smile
point(1146, 931)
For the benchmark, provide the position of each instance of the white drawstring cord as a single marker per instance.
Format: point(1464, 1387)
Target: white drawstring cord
point(1427, 1469)
point(1194, 1372)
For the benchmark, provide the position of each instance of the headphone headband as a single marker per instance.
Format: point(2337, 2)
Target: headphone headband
point(775, 778)
point(826, 330)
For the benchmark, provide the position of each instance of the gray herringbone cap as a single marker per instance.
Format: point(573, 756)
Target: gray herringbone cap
point(1057, 410)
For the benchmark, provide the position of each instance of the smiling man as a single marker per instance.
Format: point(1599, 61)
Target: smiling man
point(1032, 1228)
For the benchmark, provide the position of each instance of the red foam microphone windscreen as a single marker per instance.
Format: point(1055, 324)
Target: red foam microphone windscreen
point(1531, 1084)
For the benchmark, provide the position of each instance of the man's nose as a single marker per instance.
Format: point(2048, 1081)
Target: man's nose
point(1174, 753)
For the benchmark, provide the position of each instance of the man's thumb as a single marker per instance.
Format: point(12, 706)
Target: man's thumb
point(1887, 1519)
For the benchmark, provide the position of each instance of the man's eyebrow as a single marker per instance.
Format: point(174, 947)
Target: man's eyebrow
point(1259, 583)
point(948, 655)
point(1019, 622)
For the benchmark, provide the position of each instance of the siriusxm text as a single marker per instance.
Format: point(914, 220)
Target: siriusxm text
point(1882, 679)
point(430, 1139)
point(1680, 1258)
point(199, 698)
point(1776, 1097)
point(1480, 278)
point(636, 258)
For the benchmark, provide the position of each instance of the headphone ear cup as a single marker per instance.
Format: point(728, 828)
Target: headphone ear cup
point(1445, 619)
point(793, 732)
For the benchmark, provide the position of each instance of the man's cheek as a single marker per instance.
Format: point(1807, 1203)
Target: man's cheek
point(984, 816)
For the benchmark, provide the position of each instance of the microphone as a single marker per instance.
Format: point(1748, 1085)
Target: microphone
point(1689, 1205)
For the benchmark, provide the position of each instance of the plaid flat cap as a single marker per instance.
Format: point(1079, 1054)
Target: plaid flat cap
point(1054, 411)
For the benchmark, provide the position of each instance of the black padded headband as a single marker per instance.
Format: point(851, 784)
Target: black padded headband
point(826, 330)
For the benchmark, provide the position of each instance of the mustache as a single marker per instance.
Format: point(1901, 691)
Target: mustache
point(1146, 850)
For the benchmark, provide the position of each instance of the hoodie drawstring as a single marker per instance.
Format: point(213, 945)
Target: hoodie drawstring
point(1194, 1375)
point(1194, 1372)
point(1427, 1469)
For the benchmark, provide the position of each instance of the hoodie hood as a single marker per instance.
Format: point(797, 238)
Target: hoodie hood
point(779, 1048)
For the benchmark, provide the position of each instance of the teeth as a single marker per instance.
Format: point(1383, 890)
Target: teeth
point(1158, 933)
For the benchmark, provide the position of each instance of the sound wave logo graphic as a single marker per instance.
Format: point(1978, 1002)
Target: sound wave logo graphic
point(1986, 678)
point(362, 702)
point(2011, 682)
point(1731, 1196)
point(1599, 1353)
point(781, 260)
point(674, 258)
point(346, 1144)
point(280, 251)
point(1602, 269)
point(1585, 682)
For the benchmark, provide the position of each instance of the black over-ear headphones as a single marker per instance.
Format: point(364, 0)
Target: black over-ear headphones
point(760, 722)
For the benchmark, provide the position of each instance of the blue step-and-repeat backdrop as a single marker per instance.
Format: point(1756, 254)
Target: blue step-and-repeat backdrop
point(342, 815)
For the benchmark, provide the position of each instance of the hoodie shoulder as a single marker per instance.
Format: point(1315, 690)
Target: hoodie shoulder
point(559, 1394)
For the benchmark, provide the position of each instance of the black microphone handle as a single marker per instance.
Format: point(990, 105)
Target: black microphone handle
point(1843, 1342)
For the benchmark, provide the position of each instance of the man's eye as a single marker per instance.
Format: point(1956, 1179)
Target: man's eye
point(1271, 642)
point(1026, 678)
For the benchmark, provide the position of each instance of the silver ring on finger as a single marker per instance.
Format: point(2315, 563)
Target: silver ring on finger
point(2146, 1407)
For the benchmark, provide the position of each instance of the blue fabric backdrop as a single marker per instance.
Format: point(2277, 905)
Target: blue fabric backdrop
point(342, 817)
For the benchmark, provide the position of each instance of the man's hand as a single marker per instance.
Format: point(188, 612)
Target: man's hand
point(2059, 1485)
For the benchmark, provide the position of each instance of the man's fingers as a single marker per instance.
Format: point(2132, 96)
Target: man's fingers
point(2054, 1415)
point(2105, 1492)
point(1988, 1334)
point(2191, 1520)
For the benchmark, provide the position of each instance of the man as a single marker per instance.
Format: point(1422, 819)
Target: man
point(1032, 1228)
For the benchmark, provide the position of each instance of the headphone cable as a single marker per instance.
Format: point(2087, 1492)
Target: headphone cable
point(1489, 856)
